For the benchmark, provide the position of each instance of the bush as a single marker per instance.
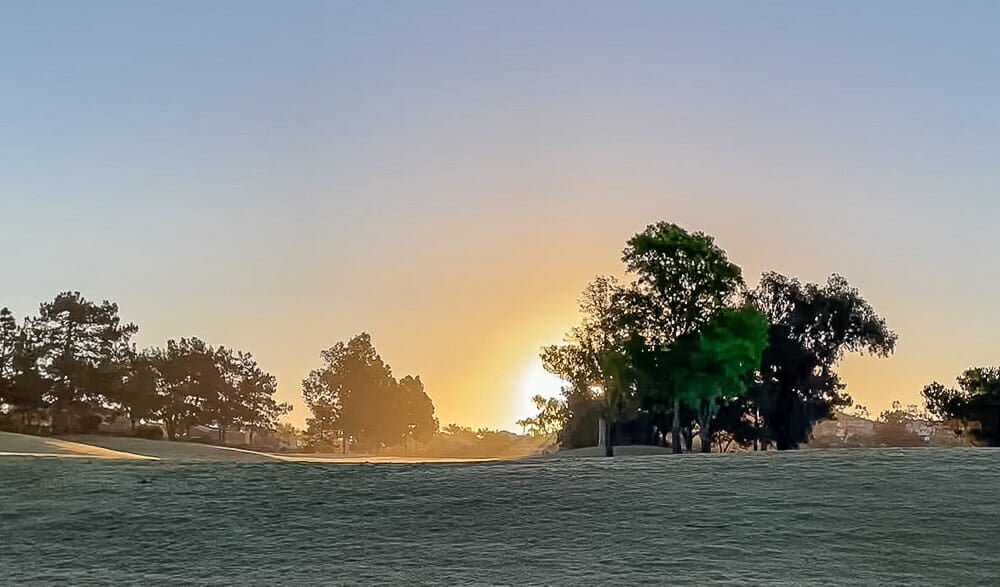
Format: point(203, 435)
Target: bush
point(149, 432)
point(90, 423)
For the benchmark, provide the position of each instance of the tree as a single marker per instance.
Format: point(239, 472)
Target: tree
point(222, 397)
point(9, 333)
point(416, 411)
point(353, 397)
point(812, 327)
point(139, 398)
point(595, 354)
point(712, 366)
point(258, 408)
point(189, 380)
point(943, 402)
point(81, 344)
point(895, 426)
point(975, 402)
point(22, 385)
point(682, 280)
point(550, 419)
point(287, 434)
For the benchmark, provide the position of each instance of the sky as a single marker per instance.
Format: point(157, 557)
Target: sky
point(448, 176)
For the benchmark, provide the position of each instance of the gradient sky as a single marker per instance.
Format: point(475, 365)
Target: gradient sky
point(449, 175)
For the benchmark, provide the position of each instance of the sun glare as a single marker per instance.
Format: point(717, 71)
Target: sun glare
point(536, 381)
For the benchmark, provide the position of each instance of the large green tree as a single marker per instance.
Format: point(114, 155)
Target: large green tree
point(681, 280)
point(713, 366)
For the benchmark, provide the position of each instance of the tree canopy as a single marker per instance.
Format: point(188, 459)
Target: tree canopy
point(812, 327)
point(354, 398)
point(685, 345)
point(976, 402)
point(74, 362)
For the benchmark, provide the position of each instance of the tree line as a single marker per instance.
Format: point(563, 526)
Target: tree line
point(75, 360)
point(684, 348)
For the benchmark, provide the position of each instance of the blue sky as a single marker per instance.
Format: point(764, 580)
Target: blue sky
point(448, 175)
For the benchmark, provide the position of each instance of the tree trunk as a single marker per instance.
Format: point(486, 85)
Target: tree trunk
point(609, 438)
point(250, 436)
point(675, 433)
point(706, 439)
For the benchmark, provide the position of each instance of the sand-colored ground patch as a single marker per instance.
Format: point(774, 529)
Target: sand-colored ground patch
point(23, 445)
point(174, 450)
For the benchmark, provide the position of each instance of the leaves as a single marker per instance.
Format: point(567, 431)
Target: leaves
point(354, 395)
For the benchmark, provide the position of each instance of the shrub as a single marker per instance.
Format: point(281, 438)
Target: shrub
point(149, 431)
point(90, 423)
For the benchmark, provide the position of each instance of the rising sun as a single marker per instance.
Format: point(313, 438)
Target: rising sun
point(535, 380)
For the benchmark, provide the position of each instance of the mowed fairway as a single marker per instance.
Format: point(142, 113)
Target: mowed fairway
point(846, 517)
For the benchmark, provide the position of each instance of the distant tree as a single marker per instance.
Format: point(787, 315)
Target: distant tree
point(22, 386)
point(139, 395)
point(81, 344)
point(190, 380)
point(223, 405)
point(894, 426)
point(287, 434)
point(259, 410)
point(353, 397)
point(28, 385)
point(9, 334)
point(682, 280)
point(812, 327)
point(859, 411)
point(550, 419)
point(975, 402)
point(942, 402)
point(417, 410)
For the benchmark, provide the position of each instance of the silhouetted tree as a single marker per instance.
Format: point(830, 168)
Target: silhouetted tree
point(9, 333)
point(550, 419)
point(82, 344)
point(189, 380)
point(976, 402)
point(139, 395)
point(417, 410)
point(355, 398)
point(595, 354)
point(258, 408)
point(22, 385)
point(812, 327)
